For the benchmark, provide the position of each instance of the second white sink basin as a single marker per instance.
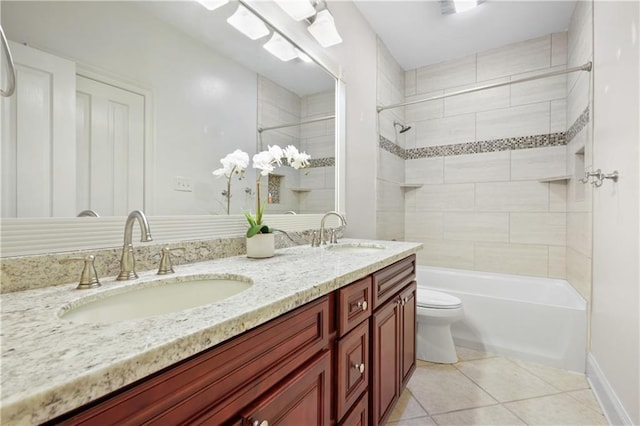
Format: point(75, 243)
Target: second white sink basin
point(356, 247)
point(156, 297)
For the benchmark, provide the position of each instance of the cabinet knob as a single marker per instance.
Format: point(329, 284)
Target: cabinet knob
point(260, 423)
point(359, 367)
point(362, 305)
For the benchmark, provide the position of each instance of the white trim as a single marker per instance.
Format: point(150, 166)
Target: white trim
point(609, 403)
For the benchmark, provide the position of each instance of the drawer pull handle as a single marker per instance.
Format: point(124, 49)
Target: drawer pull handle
point(260, 423)
point(359, 367)
point(362, 305)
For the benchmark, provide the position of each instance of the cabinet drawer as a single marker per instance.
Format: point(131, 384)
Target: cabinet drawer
point(302, 399)
point(354, 305)
point(352, 373)
point(222, 380)
point(393, 278)
point(359, 414)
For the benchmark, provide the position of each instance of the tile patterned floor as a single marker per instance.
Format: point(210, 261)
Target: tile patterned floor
point(486, 389)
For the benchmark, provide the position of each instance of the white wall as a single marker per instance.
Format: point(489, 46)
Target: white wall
point(615, 320)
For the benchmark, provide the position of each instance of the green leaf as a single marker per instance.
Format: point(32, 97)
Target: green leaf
point(250, 219)
point(257, 229)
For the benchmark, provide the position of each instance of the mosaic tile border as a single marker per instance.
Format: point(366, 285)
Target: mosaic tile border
point(322, 162)
point(274, 184)
point(580, 123)
point(494, 145)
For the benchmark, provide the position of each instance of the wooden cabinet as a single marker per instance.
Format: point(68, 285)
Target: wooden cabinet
point(303, 399)
point(341, 359)
point(393, 337)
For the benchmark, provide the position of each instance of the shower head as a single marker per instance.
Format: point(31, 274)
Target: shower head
point(403, 127)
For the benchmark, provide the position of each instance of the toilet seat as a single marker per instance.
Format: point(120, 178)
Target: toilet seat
point(436, 300)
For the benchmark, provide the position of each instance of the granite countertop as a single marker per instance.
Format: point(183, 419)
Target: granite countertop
point(51, 365)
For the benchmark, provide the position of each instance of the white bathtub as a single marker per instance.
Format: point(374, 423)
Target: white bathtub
point(536, 319)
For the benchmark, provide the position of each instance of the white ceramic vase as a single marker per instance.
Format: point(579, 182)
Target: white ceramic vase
point(260, 246)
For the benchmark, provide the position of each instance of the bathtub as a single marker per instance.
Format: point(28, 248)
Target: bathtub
point(535, 319)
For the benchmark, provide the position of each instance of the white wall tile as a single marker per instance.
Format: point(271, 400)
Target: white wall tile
point(579, 272)
point(389, 226)
point(390, 197)
point(512, 196)
point(410, 84)
point(483, 167)
point(424, 225)
point(526, 120)
point(579, 234)
point(558, 116)
point(390, 167)
point(512, 258)
point(578, 98)
point(483, 100)
point(515, 58)
point(580, 37)
point(447, 74)
point(558, 196)
point(559, 48)
point(538, 163)
point(473, 226)
point(544, 89)
point(424, 110)
point(447, 254)
point(557, 262)
point(446, 131)
point(425, 170)
point(538, 228)
point(453, 197)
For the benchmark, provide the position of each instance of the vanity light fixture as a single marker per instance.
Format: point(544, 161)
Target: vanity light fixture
point(212, 4)
point(247, 23)
point(448, 7)
point(323, 29)
point(280, 48)
point(297, 9)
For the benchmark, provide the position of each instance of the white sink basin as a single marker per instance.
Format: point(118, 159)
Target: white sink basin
point(155, 297)
point(356, 247)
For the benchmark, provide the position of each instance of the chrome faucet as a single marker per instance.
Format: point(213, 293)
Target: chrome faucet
point(127, 262)
point(333, 237)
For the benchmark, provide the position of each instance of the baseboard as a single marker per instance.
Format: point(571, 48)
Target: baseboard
point(607, 398)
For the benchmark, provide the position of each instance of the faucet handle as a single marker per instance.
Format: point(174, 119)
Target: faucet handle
point(332, 236)
point(166, 267)
point(88, 277)
point(314, 239)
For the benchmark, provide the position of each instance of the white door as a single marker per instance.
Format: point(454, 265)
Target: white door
point(110, 148)
point(38, 142)
point(615, 330)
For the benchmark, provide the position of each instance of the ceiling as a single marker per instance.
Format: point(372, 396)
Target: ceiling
point(417, 34)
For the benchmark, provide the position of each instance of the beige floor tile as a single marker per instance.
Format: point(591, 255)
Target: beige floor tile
point(407, 408)
point(421, 421)
point(493, 415)
point(586, 398)
point(421, 363)
point(555, 410)
point(560, 379)
point(504, 380)
point(466, 354)
point(441, 388)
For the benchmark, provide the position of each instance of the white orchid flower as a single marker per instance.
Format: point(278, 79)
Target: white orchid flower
point(263, 161)
point(234, 163)
point(276, 153)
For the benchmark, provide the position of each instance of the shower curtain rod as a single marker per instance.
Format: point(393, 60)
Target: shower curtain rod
point(281, 126)
point(585, 67)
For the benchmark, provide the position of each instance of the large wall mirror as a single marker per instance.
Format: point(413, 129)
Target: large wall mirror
point(131, 105)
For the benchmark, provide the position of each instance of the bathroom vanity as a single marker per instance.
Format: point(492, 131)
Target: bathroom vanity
point(322, 336)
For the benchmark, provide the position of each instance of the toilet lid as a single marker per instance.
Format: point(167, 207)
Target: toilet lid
point(436, 299)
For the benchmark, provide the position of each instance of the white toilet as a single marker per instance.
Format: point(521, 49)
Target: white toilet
point(436, 311)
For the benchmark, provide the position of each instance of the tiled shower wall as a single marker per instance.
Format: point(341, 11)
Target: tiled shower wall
point(310, 190)
point(483, 161)
point(390, 167)
point(579, 152)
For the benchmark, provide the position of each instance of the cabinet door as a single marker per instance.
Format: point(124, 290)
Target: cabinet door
point(385, 386)
point(301, 399)
point(407, 334)
point(352, 368)
point(359, 414)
